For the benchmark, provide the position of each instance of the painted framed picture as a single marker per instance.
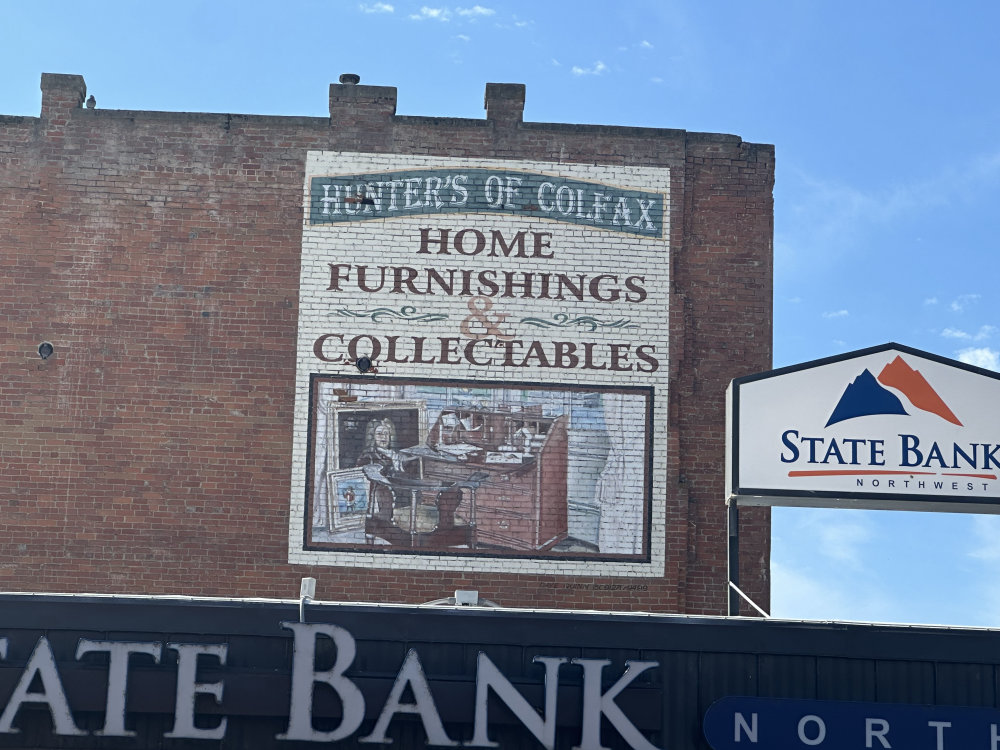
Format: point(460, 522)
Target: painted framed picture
point(356, 429)
point(347, 494)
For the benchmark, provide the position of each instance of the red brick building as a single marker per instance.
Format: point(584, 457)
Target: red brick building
point(551, 313)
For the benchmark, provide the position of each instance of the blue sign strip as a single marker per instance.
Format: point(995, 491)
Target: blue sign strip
point(737, 723)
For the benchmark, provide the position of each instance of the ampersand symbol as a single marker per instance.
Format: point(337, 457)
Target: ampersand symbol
point(484, 326)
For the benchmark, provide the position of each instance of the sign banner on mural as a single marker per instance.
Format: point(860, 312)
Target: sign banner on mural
point(886, 427)
point(513, 314)
point(437, 191)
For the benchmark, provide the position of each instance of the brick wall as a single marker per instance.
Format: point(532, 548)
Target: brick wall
point(159, 254)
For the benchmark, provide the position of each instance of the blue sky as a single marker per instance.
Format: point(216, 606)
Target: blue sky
point(884, 117)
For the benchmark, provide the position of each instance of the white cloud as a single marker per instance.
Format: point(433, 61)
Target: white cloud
point(797, 593)
point(931, 301)
point(821, 566)
point(839, 538)
point(842, 541)
point(645, 45)
point(988, 359)
point(463, 37)
point(960, 303)
point(595, 70)
point(475, 10)
point(984, 332)
point(986, 612)
point(827, 217)
point(433, 14)
point(656, 79)
point(835, 314)
point(794, 595)
point(986, 530)
point(428, 13)
point(376, 8)
point(986, 550)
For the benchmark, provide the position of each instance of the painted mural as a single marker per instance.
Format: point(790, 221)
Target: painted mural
point(479, 468)
point(482, 365)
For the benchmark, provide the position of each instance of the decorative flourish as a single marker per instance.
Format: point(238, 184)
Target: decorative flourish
point(407, 312)
point(563, 320)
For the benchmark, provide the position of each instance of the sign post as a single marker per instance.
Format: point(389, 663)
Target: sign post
point(733, 556)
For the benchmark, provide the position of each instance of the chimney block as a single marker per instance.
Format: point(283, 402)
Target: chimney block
point(505, 102)
point(352, 101)
point(62, 92)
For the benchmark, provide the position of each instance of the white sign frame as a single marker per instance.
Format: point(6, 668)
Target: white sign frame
point(934, 494)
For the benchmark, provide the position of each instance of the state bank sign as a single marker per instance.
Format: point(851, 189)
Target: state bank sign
point(887, 428)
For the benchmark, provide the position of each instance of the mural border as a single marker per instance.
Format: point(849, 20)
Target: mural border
point(646, 392)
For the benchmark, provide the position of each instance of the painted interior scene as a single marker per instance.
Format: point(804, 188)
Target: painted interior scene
point(474, 468)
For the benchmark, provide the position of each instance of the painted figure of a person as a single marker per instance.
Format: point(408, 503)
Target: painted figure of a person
point(380, 448)
point(350, 496)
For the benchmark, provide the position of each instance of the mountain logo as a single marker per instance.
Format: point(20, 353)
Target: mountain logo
point(868, 395)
